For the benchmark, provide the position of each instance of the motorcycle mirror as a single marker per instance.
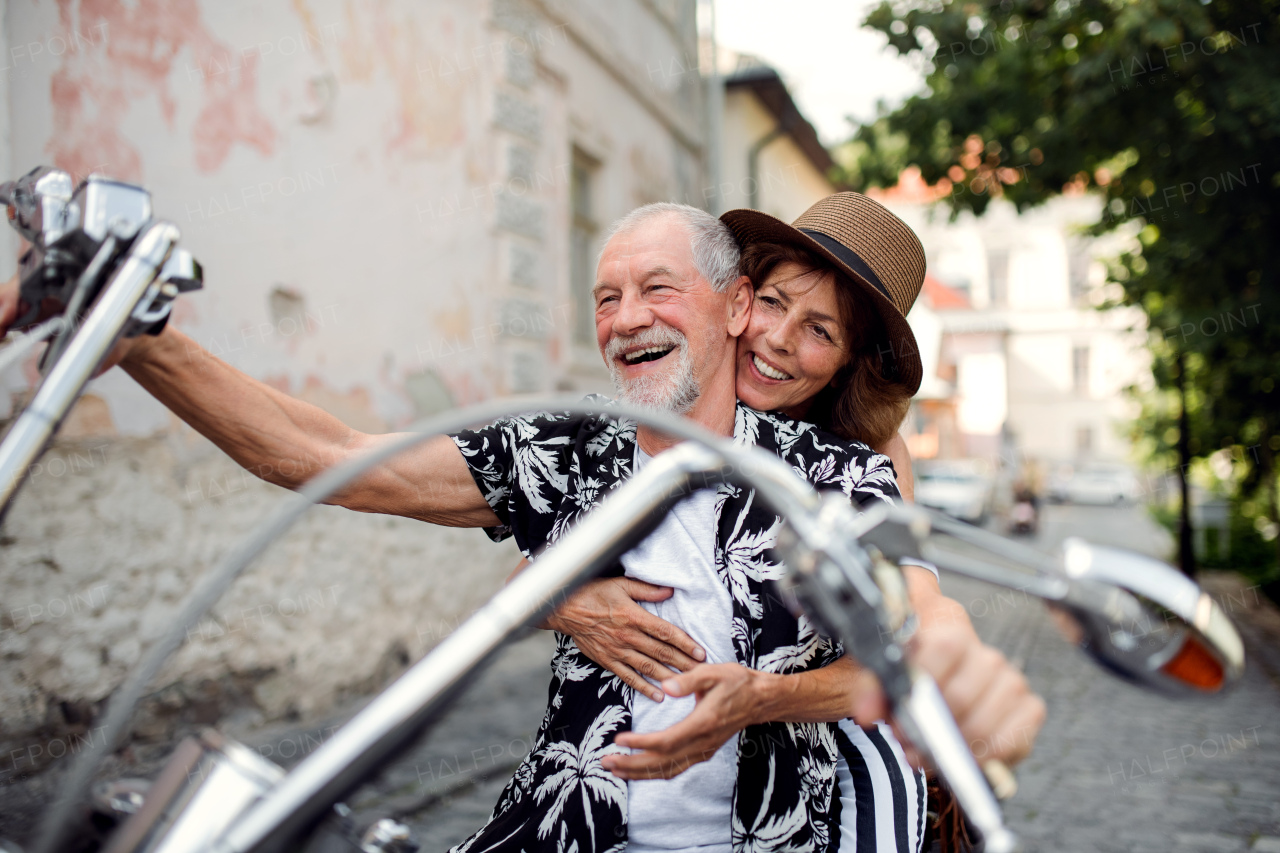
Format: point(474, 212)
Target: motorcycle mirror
point(1137, 617)
point(1147, 622)
point(37, 201)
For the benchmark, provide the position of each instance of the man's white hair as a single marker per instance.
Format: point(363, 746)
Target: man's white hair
point(715, 251)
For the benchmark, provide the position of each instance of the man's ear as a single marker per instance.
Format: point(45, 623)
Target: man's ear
point(740, 294)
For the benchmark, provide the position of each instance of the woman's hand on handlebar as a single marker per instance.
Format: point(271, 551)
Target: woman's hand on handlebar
point(613, 630)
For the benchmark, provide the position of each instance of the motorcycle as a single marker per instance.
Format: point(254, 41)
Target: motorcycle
point(1138, 618)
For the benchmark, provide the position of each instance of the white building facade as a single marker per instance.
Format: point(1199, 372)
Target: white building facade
point(1028, 364)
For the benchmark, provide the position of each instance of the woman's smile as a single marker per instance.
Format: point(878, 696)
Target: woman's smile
point(767, 370)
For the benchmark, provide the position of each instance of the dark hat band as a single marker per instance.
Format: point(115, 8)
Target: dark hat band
point(849, 258)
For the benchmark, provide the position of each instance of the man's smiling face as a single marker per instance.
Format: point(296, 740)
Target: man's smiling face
point(660, 325)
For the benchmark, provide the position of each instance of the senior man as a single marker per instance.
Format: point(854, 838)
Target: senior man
point(668, 286)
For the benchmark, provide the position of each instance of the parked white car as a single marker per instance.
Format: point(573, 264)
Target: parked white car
point(1100, 483)
point(961, 488)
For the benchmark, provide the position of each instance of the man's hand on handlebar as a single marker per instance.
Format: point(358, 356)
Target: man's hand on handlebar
point(992, 702)
point(990, 699)
point(11, 303)
point(12, 307)
point(997, 713)
point(8, 304)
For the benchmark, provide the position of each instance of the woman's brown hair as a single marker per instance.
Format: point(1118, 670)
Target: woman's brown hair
point(860, 403)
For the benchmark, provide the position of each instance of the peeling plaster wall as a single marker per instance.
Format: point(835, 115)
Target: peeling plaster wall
point(379, 193)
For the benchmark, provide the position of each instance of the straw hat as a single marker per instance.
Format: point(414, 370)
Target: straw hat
point(876, 249)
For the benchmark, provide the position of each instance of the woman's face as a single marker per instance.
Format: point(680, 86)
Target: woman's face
point(794, 342)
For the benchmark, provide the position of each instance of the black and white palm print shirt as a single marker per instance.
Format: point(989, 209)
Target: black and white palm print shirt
point(543, 473)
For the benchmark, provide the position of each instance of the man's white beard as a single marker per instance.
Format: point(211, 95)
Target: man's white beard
point(674, 390)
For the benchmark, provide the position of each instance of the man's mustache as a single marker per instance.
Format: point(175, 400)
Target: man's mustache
point(654, 336)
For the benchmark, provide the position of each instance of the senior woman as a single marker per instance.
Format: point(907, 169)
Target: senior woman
point(828, 343)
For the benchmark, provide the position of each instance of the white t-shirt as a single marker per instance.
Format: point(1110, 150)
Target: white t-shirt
point(693, 811)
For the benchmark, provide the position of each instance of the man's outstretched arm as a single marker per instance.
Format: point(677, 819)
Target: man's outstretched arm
point(287, 442)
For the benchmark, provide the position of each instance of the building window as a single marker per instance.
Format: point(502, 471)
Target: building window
point(582, 238)
point(1080, 369)
point(998, 270)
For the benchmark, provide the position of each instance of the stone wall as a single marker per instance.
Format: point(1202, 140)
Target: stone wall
point(107, 538)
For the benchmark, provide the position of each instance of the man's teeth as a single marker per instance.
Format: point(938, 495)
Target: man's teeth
point(640, 354)
point(767, 370)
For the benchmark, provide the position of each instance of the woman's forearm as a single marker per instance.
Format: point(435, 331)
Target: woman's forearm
point(823, 695)
point(833, 692)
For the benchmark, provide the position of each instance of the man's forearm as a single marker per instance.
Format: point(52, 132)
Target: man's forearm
point(283, 440)
point(932, 608)
point(287, 442)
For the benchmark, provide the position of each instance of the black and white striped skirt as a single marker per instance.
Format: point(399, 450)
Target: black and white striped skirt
point(879, 798)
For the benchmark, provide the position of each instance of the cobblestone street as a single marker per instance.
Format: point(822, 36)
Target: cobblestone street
point(1115, 768)
point(1120, 769)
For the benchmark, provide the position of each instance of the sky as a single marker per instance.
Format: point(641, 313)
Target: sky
point(833, 67)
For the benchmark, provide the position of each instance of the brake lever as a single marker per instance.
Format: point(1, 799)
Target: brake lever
point(845, 583)
point(181, 273)
point(1137, 617)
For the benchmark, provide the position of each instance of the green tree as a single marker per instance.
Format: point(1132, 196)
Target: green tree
point(1170, 111)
